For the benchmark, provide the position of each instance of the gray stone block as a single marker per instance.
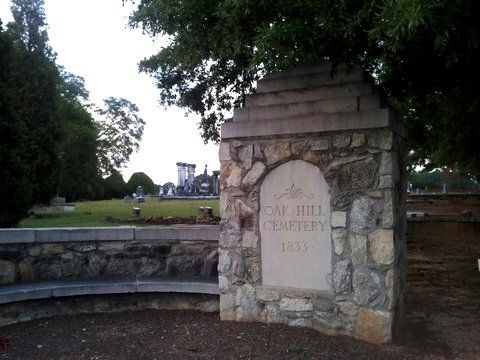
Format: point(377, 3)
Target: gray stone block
point(164, 233)
point(92, 287)
point(307, 124)
point(307, 81)
point(15, 236)
point(281, 111)
point(324, 67)
point(192, 285)
point(179, 233)
point(20, 292)
point(320, 93)
point(65, 234)
point(203, 232)
point(115, 233)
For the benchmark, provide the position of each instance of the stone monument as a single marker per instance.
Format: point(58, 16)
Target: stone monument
point(312, 196)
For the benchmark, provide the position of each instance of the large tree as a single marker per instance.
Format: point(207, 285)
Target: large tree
point(120, 131)
point(423, 54)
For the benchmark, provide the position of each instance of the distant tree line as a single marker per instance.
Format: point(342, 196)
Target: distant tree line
point(52, 139)
point(437, 178)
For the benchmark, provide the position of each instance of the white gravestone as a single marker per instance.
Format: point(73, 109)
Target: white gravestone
point(295, 227)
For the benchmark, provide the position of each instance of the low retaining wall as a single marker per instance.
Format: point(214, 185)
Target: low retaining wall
point(89, 253)
point(31, 256)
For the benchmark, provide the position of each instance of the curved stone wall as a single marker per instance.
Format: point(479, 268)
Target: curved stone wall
point(81, 254)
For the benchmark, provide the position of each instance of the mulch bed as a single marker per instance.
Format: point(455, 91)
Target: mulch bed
point(162, 334)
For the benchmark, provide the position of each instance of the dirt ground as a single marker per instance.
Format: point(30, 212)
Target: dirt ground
point(443, 322)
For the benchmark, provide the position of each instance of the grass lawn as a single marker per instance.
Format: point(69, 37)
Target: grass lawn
point(92, 213)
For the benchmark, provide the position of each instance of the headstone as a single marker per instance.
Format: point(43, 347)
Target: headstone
point(295, 227)
point(312, 206)
point(140, 194)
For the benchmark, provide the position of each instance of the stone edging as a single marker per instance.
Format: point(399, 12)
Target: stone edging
point(42, 290)
point(120, 233)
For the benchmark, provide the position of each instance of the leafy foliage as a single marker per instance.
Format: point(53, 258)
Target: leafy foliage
point(140, 179)
point(115, 186)
point(14, 171)
point(424, 55)
point(120, 131)
point(79, 176)
point(29, 139)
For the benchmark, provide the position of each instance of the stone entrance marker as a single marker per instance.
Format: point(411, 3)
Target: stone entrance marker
point(312, 194)
point(295, 227)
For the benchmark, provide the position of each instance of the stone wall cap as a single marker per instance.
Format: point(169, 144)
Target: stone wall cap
point(118, 233)
point(316, 123)
point(9, 236)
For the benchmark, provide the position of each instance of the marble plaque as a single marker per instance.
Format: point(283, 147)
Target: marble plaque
point(295, 227)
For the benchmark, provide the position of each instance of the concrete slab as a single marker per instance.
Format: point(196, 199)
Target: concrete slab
point(164, 233)
point(20, 292)
point(191, 285)
point(115, 233)
point(64, 234)
point(92, 287)
point(16, 236)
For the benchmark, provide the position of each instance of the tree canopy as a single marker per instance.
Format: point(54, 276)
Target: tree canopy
point(50, 142)
point(120, 131)
point(423, 54)
point(140, 179)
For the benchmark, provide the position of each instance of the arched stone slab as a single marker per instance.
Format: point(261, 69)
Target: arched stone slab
point(295, 227)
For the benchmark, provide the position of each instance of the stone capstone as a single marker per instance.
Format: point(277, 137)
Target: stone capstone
point(342, 277)
point(381, 246)
point(367, 288)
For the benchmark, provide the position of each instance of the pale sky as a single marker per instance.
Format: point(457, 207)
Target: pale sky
point(92, 40)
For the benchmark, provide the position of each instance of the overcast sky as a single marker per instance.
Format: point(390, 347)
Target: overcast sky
point(92, 40)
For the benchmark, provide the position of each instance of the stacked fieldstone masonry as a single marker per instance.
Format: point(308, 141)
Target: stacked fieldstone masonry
point(337, 124)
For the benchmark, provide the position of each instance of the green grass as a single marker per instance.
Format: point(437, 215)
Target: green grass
point(93, 213)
